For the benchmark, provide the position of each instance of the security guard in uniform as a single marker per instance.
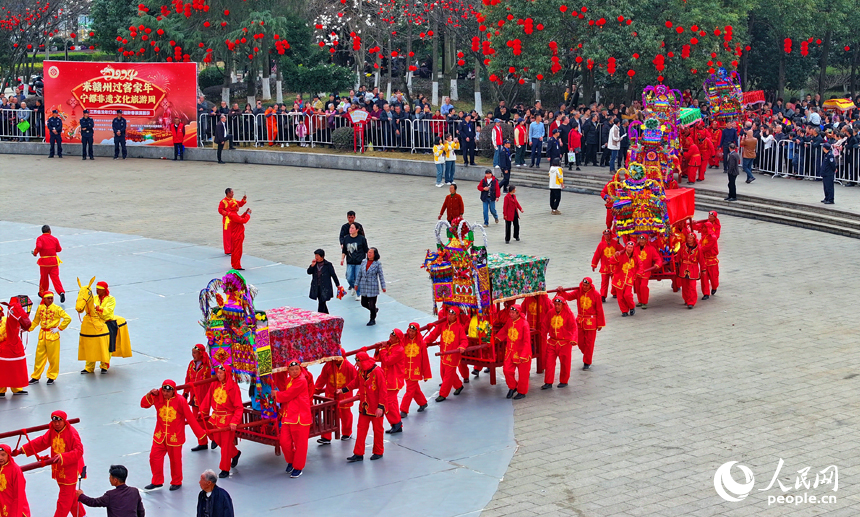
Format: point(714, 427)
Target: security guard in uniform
point(87, 124)
point(827, 171)
point(55, 133)
point(118, 127)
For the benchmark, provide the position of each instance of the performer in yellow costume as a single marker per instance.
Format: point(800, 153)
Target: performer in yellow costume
point(118, 344)
point(103, 333)
point(52, 319)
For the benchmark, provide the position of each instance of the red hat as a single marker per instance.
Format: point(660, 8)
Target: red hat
point(200, 347)
point(364, 360)
point(7, 450)
point(61, 414)
point(169, 382)
point(102, 285)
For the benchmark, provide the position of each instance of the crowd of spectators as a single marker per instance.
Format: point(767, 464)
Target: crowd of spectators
point(19, 108)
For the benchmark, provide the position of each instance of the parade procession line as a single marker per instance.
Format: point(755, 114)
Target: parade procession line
point(448, 461)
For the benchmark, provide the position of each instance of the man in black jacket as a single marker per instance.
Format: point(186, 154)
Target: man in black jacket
point(213, 501)
point(466, 134)
point(87, 124)
point(591, 137)
point(55, 133)
point(505, 165)
point(122, 501)
point(222, 136)
point(827, 171)
point(729, 135)
point(119, 126)
point(605, 128)
point(323, 274)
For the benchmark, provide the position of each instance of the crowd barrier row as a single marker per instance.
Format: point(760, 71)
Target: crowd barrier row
point(789, 159)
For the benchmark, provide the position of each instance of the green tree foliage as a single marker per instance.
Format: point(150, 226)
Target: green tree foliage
point(110, 19)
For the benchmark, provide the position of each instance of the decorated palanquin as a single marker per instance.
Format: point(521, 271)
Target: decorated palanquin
point(655, 143)
point(466, 277)
point(641, 206)
point(725, 96)
point(258, 346)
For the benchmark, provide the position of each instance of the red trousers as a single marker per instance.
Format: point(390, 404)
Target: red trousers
point(692, 172)
point(345, 414)
point(227, 444)
point(450, 379)
point(54, 273)
point(688, 291)
point(710, 278)
point(609, 218)
point(67, 502)
point(156, 463)
point(236, 256)
point(703, 167)
point(227, 238)
point(715, 158)
point(199, 417)
point(517, 376)
point(562, 353)
point(364, 422)
point(392, 407)
point(625, 299)
point(585, 340)
point(413, 392)
point(642, 291)
point(294, 444)
point(463, 368)
point(605, 282)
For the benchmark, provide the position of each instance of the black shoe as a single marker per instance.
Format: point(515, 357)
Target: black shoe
point(354, 458)
point(476, 372)
point(379, 456)
point(91, 158)
point(422, 407)
point(85, 372)
point(371, 323)
point(562, 385)
point(487, 369)
point(174, 488)
point(466, 380)
point(235, 460)
point(22, 392)
point(345, 437)
point(689, 306)
point(224, 474)
point(623, 314)
point(713, 291)
point(510, 394)
point(3, 394)
point(440, 398)
point(50, 382)
point(517, 238)
point(62, 297)
point(615, 296)
point(213, 446)
point(152, 486)
point(586, 366)
point(324, 441)
point(104, 370)
point(175, 159)
point(828, 202)
point(83, 158)
point(200, 448)
point(396, 428)
point(577, 168)
point(33, 381)
point(705, 297)
point(290, 468)
point(295, 473)
point(603, 299)
point(219, 161)
point(546, 387)
point(519, 396)
point(632, 312)
point(458, 390)
point(403, 414)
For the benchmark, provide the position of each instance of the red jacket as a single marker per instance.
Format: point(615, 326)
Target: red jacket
point(493, 181)
point(417, 365)
point(173, 415)
point(295, 401)
point(530, 309)
point(237, 224)
point(67, 444)
point(178, 133)
point(452, 337)
point(510, 206)
point(13, 497)
point(648, 257)
point(334, 376)
point(589, 306)
point(454, 205)
point(605, 251)
point(626, 268)
point(693, 157)
point(561, 328)
point(225, 401)
point(370, 385)
point(710, 249)
point(47, 247)
point(706, 147)
point(197, 373)
point(689, 262)
point(392, 358)
point(518, 349)
point(574, 139)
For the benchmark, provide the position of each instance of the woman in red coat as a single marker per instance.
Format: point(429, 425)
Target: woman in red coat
point(560, 325)
point(225, 401)
point(14, 373)
point(415, 369)
point(334, 376)
point(295, 402)
point(689, 269)
point(518, 353)
point(371, 406)
point(589, 317)
point(13, 494)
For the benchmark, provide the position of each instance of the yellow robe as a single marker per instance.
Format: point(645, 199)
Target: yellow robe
point(107, 306)
point(48, 347)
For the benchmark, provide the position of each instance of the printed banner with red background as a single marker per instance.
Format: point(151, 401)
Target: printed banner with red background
point(150, 96)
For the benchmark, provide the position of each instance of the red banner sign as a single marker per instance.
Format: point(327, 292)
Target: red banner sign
point(150, 95)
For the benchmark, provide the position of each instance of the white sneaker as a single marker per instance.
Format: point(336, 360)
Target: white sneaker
point(357, 298)
point(439, 185)
point(351, 291)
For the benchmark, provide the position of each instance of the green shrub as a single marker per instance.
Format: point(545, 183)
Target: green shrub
point(342, 139)
point(209, 76)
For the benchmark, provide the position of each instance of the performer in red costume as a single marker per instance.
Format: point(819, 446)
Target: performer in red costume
point(371, 406)
point(689, 269)
point(560, 324)
point(452, 337)
point(706, 148)
point(693, 159)
point(626, 264)
point(14, 373)
point(67, 461)
point(710, 261)
point(605, 194)
point(13, 494)
point(534, 310)
point(714, 219)
point(392, 359)
point(334, 376)
point(227, 205)
point(716, 136)
point(47, 247)
point(296, 419)
point(237, 232)
point(416, 369)
point(225, 401)
point(199, 369)
point(649, 260)
point(589, 317)
point(518, 353)
point(607, 249)
point(169, 435)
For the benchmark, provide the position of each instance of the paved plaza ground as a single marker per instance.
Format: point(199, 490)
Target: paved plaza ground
point(765, 370)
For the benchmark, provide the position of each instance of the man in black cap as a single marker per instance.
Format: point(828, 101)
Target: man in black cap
point(87, 125)
point(827, 171)
point(55, 133)
point(118, 127)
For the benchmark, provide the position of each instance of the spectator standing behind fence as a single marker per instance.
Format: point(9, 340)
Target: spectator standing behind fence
point(22, 120)
point(827, 171)
point(55, 133)
point(614, 143)
point(749, 143)
point(574, 146)
point(520, 135)
point(498, 141)
point(119, 127)
point(122, 501)
point(451, 146)
point(732, 161)
point(213, 501)
point(591, 135)
point(439, 160)
point(370, 277)
point(537, 132)
point(466, 134)
point(510, 211)
point(505, 165)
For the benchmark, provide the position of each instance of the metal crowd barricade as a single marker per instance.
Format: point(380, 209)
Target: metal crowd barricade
point(9, 131)
point(243, 128)
point(388, 135)
point(424, 134)
point(206, 128)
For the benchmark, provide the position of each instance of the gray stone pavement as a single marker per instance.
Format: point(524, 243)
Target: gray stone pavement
point(766, 369)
